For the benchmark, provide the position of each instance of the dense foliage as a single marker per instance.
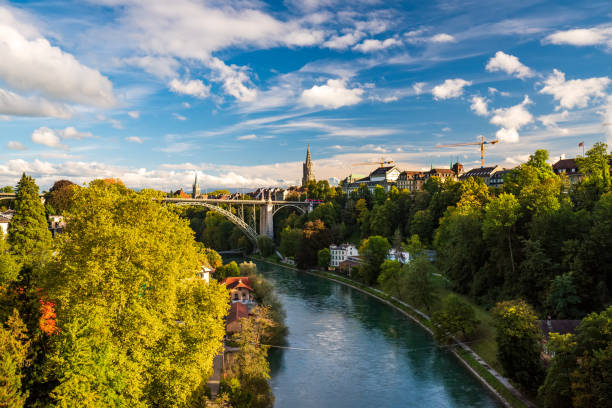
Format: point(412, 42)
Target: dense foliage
point(112, 316)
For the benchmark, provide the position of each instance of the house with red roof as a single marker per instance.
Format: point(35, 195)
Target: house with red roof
point(240, 289)
point(237, 312)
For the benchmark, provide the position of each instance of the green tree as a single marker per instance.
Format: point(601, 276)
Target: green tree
point(474, 195)
point(518, 343)
point(9, 268)
point(373, 251)
point(422, 225)
point(128, 264)
point(6, 189)
point(595, 165)
point(315, 237)
point(390, 278)
point(556, 391)
point(456, 317)
point(265, 245)
point(562, 298)
point(28, 232)
point(418, 281)
point(290, 241)
point(501, 214)
point(591, 383)
point(323, 257)
point(227, 270)
point(14, 348)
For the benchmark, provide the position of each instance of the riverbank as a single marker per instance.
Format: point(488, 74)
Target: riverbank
point(497, 384)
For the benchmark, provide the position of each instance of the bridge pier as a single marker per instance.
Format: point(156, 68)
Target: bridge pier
point(266, 219)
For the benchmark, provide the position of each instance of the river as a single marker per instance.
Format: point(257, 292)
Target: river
point(347, 349)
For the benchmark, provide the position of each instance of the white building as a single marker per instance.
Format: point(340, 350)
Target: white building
point(5, 220)
point(204, 273)
point(401, 256)
point(340, 253)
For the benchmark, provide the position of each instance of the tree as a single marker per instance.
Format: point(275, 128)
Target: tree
point(456, 317)
point(422, 225)
point(418, 281)
point(315, 237)
point(596, 165)
point(9, 268)
point(562, 298)
point(591, 383)
point(6, 189)
point(501, 214)
point(265, 245)
point(227, 270)
point(290, 241)
point(28, 232)
point(14, 347)
point(373, 251)
point(390, 278)
point(556, 391)
point(518, 343)
point(128, 264)
point(60, 195)
point(323, 257)
point(474, 195)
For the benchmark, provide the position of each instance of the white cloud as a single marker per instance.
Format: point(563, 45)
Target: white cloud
point(15, 145)
point(178, 147)
point(161, 67)
point(418, 87)
point(247, 137)
point(344, 41)
point(71, 133)
point(17, 105)
point(178, 116)
point(575, 92)
point(193, 87)
point(511, 120)
point(134, 114)
point(235, 80)
point(47, 137)
point(332, 95)
point(134, 139)
point(607, 120)
point(479, 106)
point(601, 35)
point(451, 88)
point(509, 64)
point(186, 105)
point(442, 38)
point(30, 63)
point(370, 45)
point(53, 137)
point(551, 121)
point(193, 31)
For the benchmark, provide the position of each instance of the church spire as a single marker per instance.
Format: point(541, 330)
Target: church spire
point(307, 171)
point(195, 192)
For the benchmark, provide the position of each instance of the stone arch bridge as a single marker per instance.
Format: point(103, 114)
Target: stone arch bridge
point(244, 212)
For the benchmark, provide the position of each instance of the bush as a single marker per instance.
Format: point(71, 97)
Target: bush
point(456, 317)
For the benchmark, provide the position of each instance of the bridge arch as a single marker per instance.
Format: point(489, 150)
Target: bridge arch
point(280, 207)
point(246, 228)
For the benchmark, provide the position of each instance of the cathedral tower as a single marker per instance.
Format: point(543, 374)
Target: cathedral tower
point(195, 192)
point(308, 173)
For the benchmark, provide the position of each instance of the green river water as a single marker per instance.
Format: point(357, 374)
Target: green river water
point(350, 350)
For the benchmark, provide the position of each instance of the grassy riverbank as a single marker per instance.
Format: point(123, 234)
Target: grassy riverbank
point(484, 346)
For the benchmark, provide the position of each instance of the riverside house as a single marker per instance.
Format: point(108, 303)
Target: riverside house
point(240, 289)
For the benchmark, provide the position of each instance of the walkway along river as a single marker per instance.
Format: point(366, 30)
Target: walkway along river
point(347, 349)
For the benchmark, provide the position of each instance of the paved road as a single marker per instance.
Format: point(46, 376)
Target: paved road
point(213, 382)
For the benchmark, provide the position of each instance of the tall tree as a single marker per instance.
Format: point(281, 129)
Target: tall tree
point(373, 251)
point(518, 341)
point(418, 281)
point(28, 232)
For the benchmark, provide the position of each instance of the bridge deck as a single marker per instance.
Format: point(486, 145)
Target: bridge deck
point(220, 201)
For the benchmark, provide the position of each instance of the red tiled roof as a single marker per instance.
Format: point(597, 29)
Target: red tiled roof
point(236, 281)
point(237, 311)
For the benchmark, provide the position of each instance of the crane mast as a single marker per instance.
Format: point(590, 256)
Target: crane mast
point(482, 144)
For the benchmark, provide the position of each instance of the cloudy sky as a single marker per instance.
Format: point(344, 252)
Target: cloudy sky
point(152, 90)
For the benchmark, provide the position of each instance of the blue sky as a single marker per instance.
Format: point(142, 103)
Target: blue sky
point(151, 91)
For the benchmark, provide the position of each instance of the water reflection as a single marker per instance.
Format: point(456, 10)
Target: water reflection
point(362, 353)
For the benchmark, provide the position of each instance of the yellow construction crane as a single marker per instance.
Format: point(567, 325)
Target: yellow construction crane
point(482, 144)
point(381, 162)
